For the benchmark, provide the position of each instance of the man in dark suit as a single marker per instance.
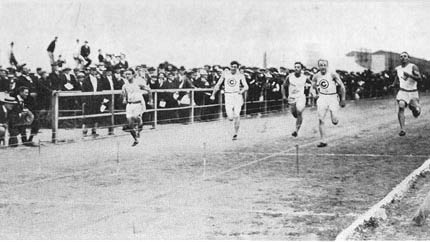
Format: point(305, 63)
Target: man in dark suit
point(3, 118)
point(203, 98)
point(68, 83)
point(54, 78)
point(9, 115)
point(111, 83)
point(85, 53)
point(4, 81)
point(92, 103)
point(27, 102)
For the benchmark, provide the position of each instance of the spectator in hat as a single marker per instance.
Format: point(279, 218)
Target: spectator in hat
point(101, 57)
point(85, 53)
point(38, 73)
point(60, 61)
point(44, 90)
point(8, 117)
point(3, 117)
point(54, 78)
point(51, 49)
point(4, 81)
point(12, 85)
point(68, 81)
point(203, 98)
point(27, 105)
point(23, 79)
point(18, 118)
point(92, 103)
point(80, 78)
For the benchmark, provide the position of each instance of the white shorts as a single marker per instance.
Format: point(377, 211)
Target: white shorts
point(407, 96)
point(233, 104)
point(299, 101)
point(134, 110)
point(327, 103)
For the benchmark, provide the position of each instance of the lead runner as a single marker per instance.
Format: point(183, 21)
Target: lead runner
point(132, 96)
point(325, 83)
point(296, 94)
point(407, 76)
point(234, 87)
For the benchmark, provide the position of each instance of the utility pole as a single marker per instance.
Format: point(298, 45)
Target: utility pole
point(265, 60)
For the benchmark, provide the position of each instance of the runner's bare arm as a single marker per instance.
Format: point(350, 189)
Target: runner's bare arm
point(285, 84)
point(415, 75)
point(217, 87)
point(147, 90)
point(245, 85)
point(337, 79)
point(124, 95)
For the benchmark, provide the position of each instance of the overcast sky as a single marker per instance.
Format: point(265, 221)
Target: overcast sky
point(194, 33)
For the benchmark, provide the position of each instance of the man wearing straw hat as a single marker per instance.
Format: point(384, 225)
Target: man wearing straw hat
point(3, 116)
point(9, 116)
point(26, 118)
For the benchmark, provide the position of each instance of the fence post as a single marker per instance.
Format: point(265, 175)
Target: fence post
point(155, 108)
point(220, 105)
point(265, 102)
point(54, 111)
point(111, 129)
point(192, 106)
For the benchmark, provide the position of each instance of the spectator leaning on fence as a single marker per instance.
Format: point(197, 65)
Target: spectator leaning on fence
point(3, 118)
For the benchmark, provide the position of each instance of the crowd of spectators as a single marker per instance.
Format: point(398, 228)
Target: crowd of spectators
point(106, 73)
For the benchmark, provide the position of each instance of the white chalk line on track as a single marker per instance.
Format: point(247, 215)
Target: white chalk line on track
point(190, 185)
point(74, 173)
point(95, 169)
point(140, 205)
point(250, 163)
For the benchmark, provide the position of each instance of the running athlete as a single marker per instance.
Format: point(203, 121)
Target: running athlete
point(234, 86)
point(407, 76)
point(324, 84)
point(296, 94)
point(132, 97)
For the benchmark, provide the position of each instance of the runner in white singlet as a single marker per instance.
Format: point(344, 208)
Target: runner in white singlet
point(407, 76)
point(324, 84)
point(132, 97)
point(296, 94)
point(234, 86)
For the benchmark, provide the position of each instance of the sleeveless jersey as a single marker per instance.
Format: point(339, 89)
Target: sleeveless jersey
point(406, 83)
point(232, 82)
point(297, 85)
point(325, 83)
point(132, 92)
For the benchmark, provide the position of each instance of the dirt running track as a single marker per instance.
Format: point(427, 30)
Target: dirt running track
point(249, 189)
